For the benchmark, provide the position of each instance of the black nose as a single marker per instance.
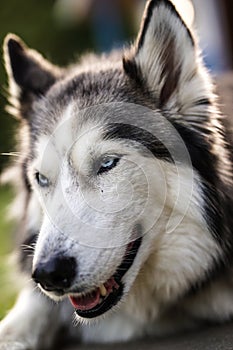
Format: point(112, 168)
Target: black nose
point(55, 274)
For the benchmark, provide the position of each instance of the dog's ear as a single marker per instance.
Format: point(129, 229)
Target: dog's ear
point(29, 74)
point(165, 58)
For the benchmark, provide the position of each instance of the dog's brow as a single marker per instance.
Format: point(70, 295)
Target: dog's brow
point(134, 133)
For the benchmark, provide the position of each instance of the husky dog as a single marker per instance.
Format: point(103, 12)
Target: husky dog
point(125, 190)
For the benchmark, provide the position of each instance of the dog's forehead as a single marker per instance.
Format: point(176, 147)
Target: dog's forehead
point(70, 139)
point(77, 110)
point(84, 90)
point(89, 88)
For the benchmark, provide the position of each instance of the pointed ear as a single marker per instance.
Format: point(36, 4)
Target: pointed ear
point(165, 56)
point(29, 74)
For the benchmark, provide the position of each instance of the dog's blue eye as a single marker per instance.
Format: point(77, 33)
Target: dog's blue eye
point(42, 180)
point(108, 164)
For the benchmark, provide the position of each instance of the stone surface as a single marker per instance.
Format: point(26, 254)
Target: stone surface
point(213, 338)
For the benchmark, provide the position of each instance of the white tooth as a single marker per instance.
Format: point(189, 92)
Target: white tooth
point(103, 290)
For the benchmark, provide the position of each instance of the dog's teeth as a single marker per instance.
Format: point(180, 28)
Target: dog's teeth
point(103, 290)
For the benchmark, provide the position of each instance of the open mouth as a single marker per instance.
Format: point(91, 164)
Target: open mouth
point(107, 295)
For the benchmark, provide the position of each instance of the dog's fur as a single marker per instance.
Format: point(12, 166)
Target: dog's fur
point(154, 108)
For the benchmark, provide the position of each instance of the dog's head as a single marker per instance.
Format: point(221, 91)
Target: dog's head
point(107, 167)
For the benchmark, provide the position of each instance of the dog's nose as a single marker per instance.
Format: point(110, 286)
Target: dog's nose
point(56, 273)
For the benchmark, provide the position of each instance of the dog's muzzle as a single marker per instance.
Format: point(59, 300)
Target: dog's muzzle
point(104, 297)
point(57, 275)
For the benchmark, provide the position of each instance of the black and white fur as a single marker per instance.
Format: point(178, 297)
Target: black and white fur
point(71, 119)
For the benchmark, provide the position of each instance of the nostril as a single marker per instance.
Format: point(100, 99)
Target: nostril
point(55, 273)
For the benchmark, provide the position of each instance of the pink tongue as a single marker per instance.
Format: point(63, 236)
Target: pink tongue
point(86, 302)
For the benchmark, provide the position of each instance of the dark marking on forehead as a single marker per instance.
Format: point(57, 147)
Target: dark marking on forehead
point(144, 137)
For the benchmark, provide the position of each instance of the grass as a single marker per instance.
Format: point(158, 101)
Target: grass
point(7, 287)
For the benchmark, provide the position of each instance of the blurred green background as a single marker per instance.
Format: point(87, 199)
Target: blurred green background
point(7, 286)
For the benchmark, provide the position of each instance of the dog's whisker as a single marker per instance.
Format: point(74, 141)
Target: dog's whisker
point(28, 247)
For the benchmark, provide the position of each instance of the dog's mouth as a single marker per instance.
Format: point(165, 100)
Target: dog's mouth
point(107, 295)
